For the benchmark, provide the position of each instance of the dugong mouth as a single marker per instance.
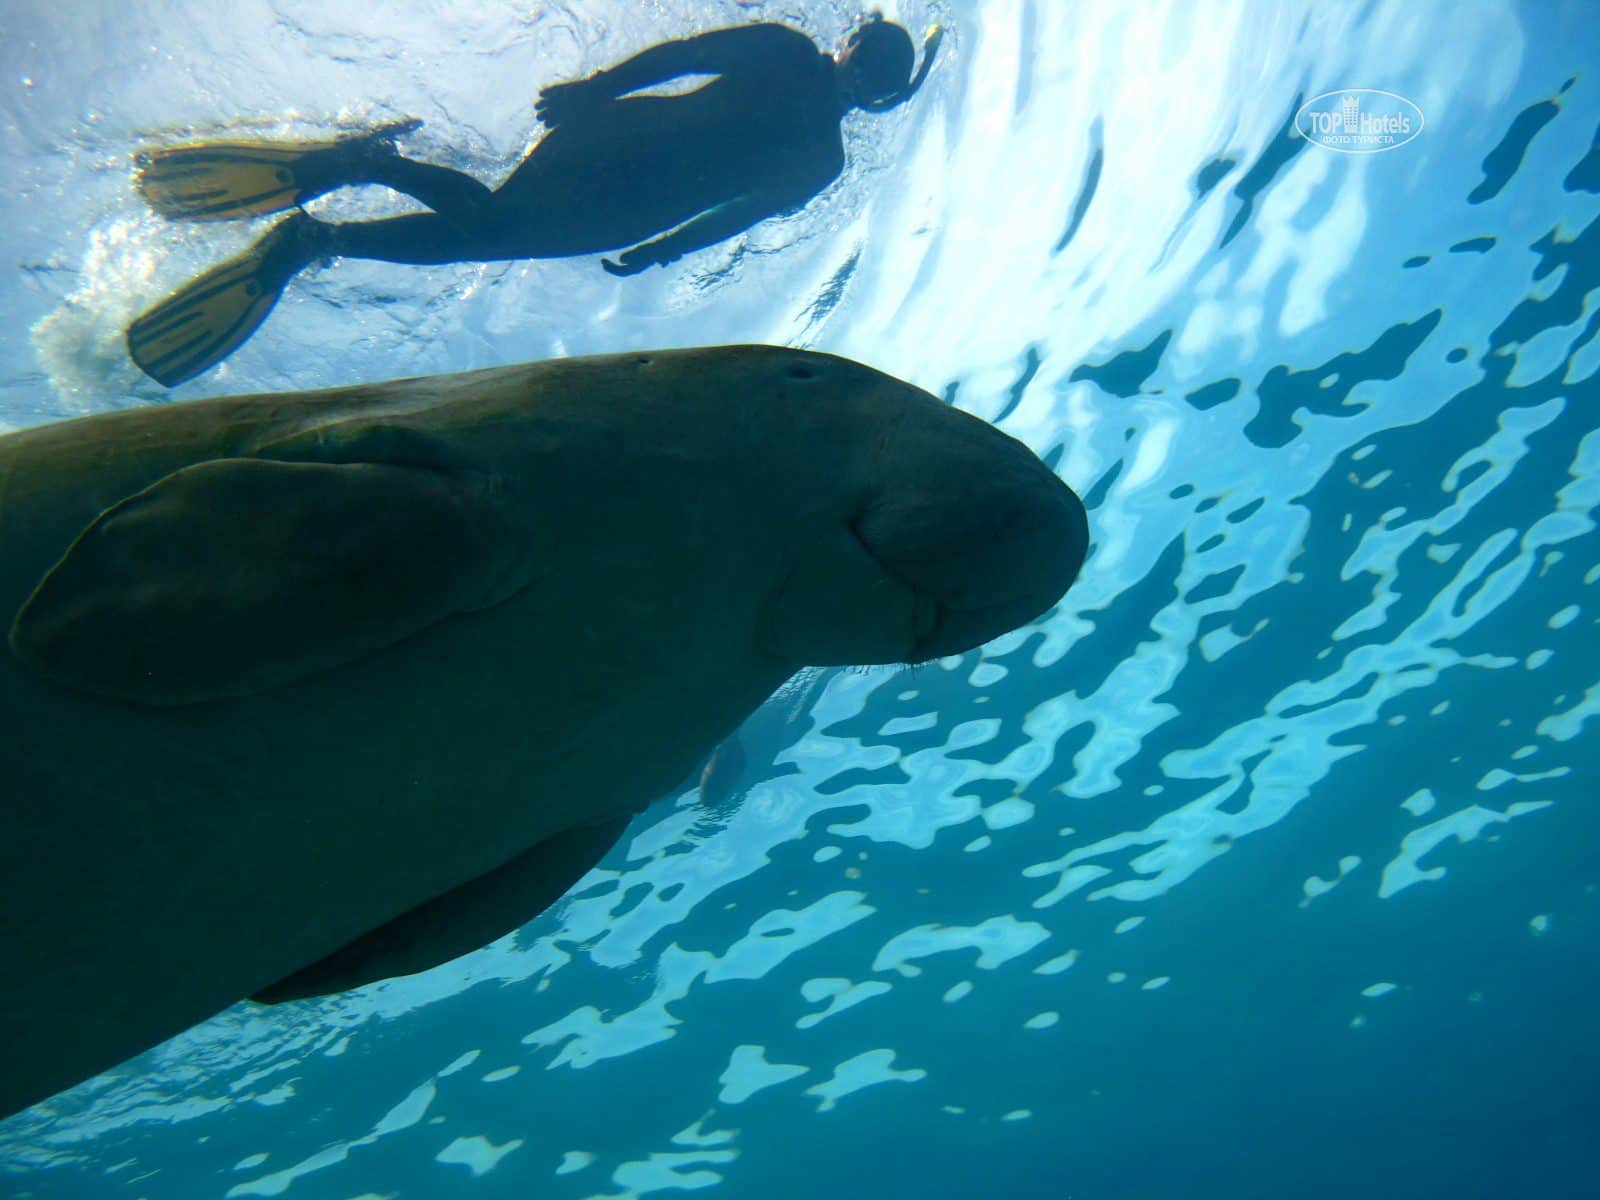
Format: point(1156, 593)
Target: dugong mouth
point(926, 617)
point(975, 570)
point(927, 614)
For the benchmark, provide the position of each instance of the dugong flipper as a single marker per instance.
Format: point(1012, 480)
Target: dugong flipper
point(301, 690)
point(237, 576)
point(458, 922)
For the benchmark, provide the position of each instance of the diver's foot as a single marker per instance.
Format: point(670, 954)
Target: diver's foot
point(220, 181)
point(290, 246)
point(207, 319)
point(352, 159)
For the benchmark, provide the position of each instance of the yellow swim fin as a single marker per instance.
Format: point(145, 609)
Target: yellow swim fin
point(219, 181)
point(209, 318)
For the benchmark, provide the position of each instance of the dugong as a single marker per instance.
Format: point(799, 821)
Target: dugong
point(309, 689)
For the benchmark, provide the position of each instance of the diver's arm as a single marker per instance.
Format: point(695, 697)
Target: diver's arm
point(710, 227)
point(717, 52)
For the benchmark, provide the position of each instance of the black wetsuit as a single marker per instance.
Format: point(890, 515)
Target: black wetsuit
point(675, 172)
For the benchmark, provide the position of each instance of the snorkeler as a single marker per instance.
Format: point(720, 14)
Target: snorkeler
point(653, 176)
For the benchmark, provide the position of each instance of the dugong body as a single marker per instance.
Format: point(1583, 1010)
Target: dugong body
point(303, 690)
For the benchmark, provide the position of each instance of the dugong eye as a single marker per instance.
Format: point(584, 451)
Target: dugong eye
point(801, 371)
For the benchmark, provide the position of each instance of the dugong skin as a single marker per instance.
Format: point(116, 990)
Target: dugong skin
point(691, 527)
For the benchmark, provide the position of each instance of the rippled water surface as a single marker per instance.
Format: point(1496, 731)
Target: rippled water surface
point(1262, 866)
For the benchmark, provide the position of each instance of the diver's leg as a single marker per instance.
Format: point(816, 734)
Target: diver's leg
point(422, 239)
point(452, 194)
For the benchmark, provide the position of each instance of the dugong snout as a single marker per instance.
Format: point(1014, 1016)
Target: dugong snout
point(983, 533)
point(958, 534)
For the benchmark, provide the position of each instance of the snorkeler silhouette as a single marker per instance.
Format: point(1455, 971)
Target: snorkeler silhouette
point(654, 176)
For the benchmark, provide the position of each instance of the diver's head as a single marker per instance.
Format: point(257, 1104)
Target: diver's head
point(875, 65)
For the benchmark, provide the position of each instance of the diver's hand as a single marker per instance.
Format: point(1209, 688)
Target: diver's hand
point(622, 266)
point(562, 102)
point(631, 262)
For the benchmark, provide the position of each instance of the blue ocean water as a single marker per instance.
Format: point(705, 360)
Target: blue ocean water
point(1261, 866)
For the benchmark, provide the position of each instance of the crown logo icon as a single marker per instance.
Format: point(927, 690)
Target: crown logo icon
point(1350, 110)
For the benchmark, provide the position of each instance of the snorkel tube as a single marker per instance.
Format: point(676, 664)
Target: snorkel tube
point(930, 47)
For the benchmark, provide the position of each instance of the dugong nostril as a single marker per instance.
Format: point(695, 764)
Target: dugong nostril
point(1014, 519)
